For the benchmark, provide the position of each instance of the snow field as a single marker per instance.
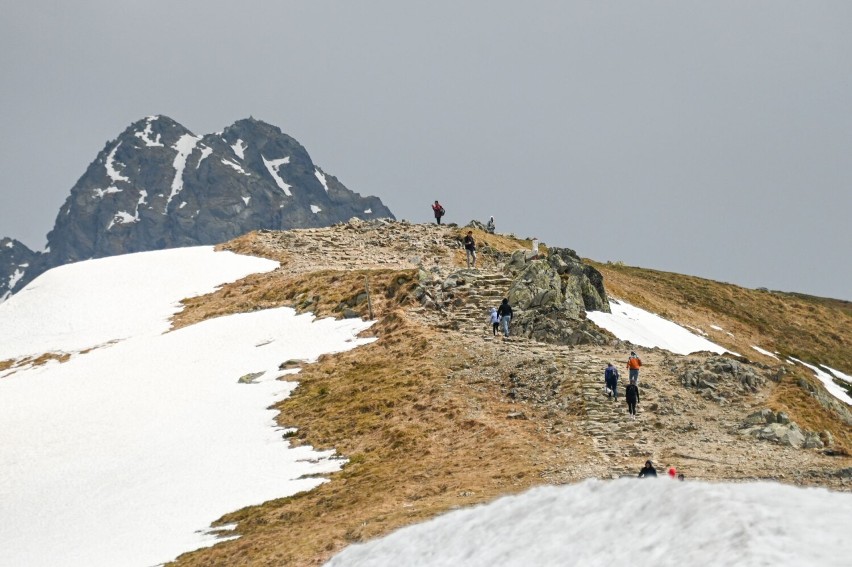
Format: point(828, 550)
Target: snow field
point(627, 522)
point(124, 455)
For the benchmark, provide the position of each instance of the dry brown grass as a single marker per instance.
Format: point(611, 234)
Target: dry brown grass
point(418, 445)
point(34, 360)
point(812, 329)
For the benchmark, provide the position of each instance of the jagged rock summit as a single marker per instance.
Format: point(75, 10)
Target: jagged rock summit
point(158, 186)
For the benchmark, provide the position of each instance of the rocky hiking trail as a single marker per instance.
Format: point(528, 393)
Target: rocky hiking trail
point(558, 385)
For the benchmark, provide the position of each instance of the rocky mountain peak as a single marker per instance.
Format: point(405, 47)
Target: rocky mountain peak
point(15, 259)
point(159, 185)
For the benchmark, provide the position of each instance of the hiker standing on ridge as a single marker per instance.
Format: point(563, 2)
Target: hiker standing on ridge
point(631, 394)
point(439, 211)
point(633, 364)
point(470, 249)
point(495, 320)
point(505, 314)
point(611, 381)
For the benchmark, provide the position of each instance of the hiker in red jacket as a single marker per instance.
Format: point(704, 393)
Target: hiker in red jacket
point(438, 209)
point(633, 364)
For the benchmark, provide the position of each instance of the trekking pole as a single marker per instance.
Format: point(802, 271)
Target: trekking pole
point(369, 300)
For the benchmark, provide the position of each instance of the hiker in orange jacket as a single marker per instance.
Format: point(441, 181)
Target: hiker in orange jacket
point(633, 364)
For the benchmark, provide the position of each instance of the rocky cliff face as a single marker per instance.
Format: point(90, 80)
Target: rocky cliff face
point(15, 259)
point(158, 186)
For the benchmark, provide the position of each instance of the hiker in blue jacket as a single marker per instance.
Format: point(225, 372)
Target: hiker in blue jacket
point(611, 381)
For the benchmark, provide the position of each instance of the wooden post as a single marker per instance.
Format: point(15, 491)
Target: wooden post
point(369, 300)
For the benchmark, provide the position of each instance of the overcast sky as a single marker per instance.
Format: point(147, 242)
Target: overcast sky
point(706, 138)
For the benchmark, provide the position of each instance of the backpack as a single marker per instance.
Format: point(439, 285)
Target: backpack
point(441, 210)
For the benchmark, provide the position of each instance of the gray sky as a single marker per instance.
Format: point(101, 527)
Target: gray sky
point(706, 138)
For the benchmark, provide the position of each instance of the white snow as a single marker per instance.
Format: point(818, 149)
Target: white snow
point(205, 151)
point(240, 148)
point(184, 147)
point(99, 193)
point(368, 211)
point(122, 217)
point(15, 277)
point(837, 373)
point(109, 165)
point(827, 381)
point(246, 200)
point(321, 176)
point(315, 209)
point(717, 327)
point(764, 352)
point(236, 166)
point(643, 328)
point(145, 135)
point(182, 204)
point(10, 244)
point(273, 165)
point(124, 454)
point(628, 522)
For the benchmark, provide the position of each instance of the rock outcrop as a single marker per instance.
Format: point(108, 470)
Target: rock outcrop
point(777, 428)
point(158, 186)
point(15, 259)
point(719, 378)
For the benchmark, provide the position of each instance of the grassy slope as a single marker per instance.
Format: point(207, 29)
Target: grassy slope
point(812, 329)
point(420, 441)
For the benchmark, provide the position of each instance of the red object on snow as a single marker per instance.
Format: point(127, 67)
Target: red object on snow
point(672, 472)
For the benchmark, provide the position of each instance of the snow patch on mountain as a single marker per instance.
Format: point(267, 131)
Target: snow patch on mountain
point(640, 327)
point(273, 165)
point(240, 148)
point(184, 147)
point(315, 209)
point(145, 135)
point(236, 166)
point(205, 151)
point(827, 381)
point(321, 177)
point(109, 165)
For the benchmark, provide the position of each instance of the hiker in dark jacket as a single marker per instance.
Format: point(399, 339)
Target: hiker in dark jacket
point(611, 381)
point(648, 470)
point(505, 314)
point(631, 394)
point(470, 249)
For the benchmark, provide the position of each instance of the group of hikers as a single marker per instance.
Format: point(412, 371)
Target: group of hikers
point(501, 315)
point(631, 391)
point(648, 471)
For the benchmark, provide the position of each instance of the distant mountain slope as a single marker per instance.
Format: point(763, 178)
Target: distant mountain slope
point(15, 259)
point(813, 329)
point(158, 186)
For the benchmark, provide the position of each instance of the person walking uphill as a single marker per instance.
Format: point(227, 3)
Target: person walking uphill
point(631, 394)
point(495, 320)
point(505, 314)
point(611, 381)
point(470, 249)
point(439, 211)
point(633, 364)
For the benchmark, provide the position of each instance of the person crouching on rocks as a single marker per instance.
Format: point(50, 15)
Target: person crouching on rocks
point(631, 394)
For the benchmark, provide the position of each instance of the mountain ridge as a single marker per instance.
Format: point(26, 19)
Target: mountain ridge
point(158, 185)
